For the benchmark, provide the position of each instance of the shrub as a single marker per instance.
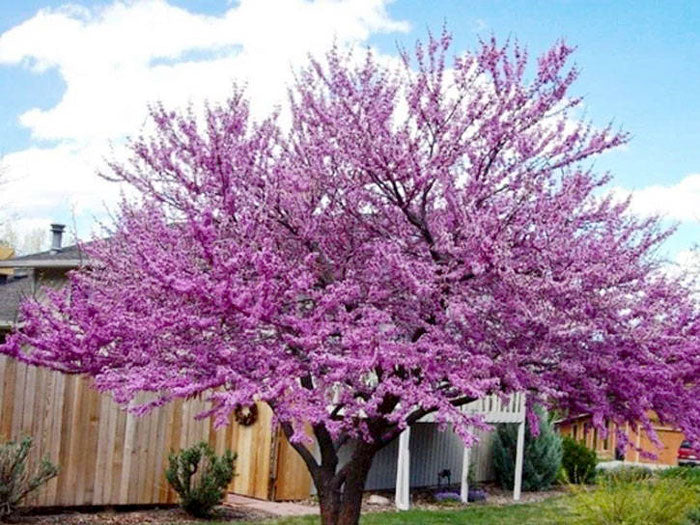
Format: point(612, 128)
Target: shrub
point(690, 475)
point(625, 473)
point(200, 477)
point(562, 477)
point(693, 517)
point(541, 460)
point(578, 461)
point(453, 498)
point(15, 480)
point(650, 501)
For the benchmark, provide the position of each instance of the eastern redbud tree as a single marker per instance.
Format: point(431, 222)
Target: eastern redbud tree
point(413, 238)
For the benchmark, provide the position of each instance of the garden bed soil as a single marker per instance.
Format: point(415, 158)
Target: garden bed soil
point(156, 516)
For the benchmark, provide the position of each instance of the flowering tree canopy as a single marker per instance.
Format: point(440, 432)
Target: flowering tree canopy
point(414, 238)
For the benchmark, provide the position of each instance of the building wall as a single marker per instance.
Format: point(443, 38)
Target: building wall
point(431, 452)
point(582, 430)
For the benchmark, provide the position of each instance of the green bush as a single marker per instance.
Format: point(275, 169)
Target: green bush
point(562, 477)
point(15, 480)
point(651, 502)
point(200, 477)
point(690, 475)
point(578, 461)
point(625, 473)
point(541, 460)
point(693, 516)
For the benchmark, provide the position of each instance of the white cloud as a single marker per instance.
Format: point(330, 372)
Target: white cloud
point(115, 60)
point(679, 202)
point(43, 179)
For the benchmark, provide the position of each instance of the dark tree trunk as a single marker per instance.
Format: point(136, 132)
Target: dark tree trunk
point(340, 493)
point(340, 487)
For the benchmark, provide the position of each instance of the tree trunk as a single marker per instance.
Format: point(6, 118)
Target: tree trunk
point(340, 493)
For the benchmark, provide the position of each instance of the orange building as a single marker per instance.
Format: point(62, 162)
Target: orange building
point(581, 429)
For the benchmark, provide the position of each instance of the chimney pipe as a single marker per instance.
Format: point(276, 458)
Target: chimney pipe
point(56, 237)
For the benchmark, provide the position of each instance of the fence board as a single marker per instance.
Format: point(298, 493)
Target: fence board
point(109, 457)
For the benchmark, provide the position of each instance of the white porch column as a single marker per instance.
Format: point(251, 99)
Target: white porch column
point(464, 492)
point(519, 452)
point(403, 463)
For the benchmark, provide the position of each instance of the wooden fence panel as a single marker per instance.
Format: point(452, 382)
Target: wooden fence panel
point(292, 479)
point(110, 457)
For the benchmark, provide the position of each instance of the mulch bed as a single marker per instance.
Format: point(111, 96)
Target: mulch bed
point(162, 516)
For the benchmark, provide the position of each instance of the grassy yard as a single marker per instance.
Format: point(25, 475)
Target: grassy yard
point(548, 512)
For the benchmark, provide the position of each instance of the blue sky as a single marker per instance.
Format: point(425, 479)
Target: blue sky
point(639, 61)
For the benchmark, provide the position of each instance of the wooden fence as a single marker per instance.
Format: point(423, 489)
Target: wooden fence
point(110, 457)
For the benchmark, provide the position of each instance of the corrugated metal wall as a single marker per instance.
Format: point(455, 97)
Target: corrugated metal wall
point(431, 452)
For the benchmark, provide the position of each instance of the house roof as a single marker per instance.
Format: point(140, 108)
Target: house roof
point(20, 283)
point(12, 291)
point(68, 257)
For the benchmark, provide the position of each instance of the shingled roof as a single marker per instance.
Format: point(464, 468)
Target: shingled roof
point(67, 257)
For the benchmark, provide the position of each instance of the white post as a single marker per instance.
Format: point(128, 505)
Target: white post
point(403, 493)
point(464, 492)
point(519, 452)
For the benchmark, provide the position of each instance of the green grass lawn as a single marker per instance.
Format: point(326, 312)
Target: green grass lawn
point(547, 512)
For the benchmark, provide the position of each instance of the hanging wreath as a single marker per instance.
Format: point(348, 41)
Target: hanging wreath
point(246, 416)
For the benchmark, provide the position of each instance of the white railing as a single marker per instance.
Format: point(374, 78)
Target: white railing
point(494, 409)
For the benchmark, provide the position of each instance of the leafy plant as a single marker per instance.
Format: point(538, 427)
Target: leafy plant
point(651, 501)
point(693, 516)
point(200, 477)
point(16, 482)
point(541, 460)
point(579, 461)
point(476, 495)
point(447, 497)
point(626, 473)
point(690, 475)
point(562, 477)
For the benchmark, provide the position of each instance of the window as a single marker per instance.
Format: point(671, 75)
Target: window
point(574, 432)
point(595, 438)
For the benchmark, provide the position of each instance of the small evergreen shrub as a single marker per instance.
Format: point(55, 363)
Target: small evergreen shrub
point(578, 461)
point(650, 501)
point(541, 460)
point(200, 478)
point(15, 480)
